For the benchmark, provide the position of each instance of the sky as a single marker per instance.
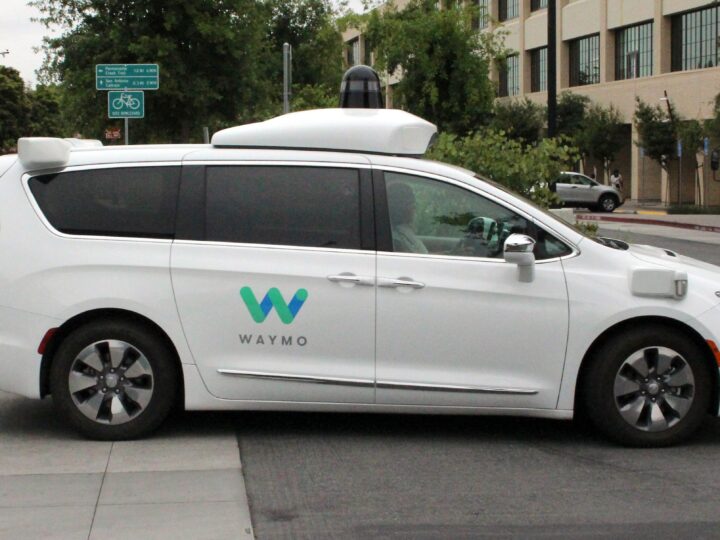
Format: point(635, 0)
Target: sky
point(19, 35)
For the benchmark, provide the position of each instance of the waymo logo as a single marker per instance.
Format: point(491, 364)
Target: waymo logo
point(273, 299)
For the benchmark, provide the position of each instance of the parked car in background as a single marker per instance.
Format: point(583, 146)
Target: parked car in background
point(576, 189)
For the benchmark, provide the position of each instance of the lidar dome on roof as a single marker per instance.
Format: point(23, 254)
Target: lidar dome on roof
point(377, 131)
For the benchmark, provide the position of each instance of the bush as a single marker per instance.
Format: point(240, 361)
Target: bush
point(525, 170)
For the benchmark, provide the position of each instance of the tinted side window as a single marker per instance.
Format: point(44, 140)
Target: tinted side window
point(129, 201)
point(293, 206)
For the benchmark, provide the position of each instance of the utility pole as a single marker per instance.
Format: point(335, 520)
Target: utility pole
point(287, 76)
point(552, 68)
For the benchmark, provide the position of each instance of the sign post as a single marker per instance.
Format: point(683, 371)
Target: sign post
point(126, 83)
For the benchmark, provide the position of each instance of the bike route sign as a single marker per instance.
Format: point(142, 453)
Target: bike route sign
point(127, 77)
point(130, 104)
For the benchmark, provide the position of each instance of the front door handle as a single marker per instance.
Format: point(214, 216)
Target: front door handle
point(352, 279)
point(399, 282)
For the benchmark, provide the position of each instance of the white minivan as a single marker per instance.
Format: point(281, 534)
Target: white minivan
point(315, 262)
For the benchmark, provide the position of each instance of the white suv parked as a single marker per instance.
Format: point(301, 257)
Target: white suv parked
point(312, 263)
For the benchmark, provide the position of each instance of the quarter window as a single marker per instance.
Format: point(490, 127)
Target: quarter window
point(432, 217)
point(293, 206)
point(137, 201)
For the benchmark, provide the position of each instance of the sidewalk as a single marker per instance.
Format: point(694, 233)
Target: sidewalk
point(185, 482)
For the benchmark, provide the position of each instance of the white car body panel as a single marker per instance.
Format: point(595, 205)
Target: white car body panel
point(538, 336)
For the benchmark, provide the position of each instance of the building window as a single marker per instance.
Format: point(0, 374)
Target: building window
point(510, 77)
point(538, 69)
point(538, 4)
point(509, 9)
point(585, 61)
point(696, 39)
point(353, 52)
point(368, 53)
point(634, 52)
point(482, 18)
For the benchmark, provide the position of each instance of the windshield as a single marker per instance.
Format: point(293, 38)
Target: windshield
point(545, 211)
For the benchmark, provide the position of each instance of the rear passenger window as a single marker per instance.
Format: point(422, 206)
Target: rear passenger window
point(293, 206)
point(129, 201)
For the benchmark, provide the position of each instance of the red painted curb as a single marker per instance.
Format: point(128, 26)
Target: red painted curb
point(617, 219)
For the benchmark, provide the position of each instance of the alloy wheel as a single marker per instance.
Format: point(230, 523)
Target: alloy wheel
point(111, 382)
point(654, 389)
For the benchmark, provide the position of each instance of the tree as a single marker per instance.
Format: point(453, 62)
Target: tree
point(522, 120)
point(712, 126)
point(45, 118)
point(211, 57)
point(444, 62)
point(601, 135)
point(14, 107)
point(525, 170)
point(571, 111)
point(657, 131)
point(309, 26)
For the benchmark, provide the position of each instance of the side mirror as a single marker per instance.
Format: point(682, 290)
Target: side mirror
point(518, 249)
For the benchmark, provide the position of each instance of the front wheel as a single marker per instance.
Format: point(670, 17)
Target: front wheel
point(113, 380)
point(648, 387)
point(607, 203)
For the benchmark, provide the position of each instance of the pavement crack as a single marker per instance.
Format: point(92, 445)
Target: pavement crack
point(102, 483)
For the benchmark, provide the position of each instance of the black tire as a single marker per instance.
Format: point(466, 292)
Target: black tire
point(599, 394)
point(607, 203)
point(164, 380)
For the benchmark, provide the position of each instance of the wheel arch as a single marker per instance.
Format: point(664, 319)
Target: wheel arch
point(621, 326)
point(81, 319)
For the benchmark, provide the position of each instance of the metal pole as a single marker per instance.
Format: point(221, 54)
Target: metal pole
point(552, 68)
point(206, 135)
point(287, 76)
point(127, 134)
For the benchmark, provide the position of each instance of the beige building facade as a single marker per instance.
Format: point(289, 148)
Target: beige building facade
point(613, 51)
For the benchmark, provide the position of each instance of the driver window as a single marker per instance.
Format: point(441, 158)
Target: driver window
point(429, 216)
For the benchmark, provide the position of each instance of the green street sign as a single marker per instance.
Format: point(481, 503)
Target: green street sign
point(130, 104)
point(127, 77)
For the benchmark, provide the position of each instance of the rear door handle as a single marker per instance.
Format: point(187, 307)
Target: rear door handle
point(399, 282)
point(352, 279)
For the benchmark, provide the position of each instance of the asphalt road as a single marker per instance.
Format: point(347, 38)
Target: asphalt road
point(393, 476)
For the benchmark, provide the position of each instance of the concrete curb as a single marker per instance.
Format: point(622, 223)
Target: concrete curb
point(643, 221)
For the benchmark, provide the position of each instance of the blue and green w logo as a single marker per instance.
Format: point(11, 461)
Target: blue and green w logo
point(273, 299)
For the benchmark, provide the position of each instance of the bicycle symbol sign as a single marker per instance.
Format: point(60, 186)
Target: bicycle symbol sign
point(126, 104)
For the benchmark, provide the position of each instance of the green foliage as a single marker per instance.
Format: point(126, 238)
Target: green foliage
point(24, 112)
point(522, 120)
point(600, 135)
point(571, 109)
point(14, 107)
point(307, 25)
point(658, 136)
point(588, 229)
point(220, 61)
point(444, 62)
point(525, 170)
point(314, 97)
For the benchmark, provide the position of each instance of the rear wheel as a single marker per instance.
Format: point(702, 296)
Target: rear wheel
point(113, 380)
point(648, 387)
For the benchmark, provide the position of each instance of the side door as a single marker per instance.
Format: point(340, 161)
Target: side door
point(455, 325)
point(564, 188)
point(273, 270)
point(586, 190)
